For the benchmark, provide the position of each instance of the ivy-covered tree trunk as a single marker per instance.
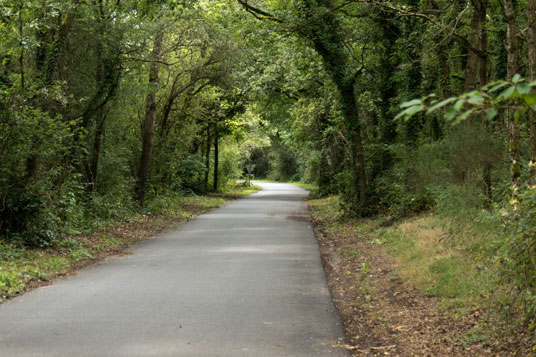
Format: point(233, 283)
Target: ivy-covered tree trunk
point(483, 43)
point(471, 67)
point(21, 44)
point(531, 37)
point(216, 158)
point(483, 79)
point(51, 47)
point(103, 81)
point(326, 37)
point(150, 114)
point(476, 74)
point(207, 159)
point(97, 142)
point(357, 150)
point(511, 68)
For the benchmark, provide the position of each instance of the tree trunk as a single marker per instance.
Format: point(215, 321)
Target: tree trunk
point(476, 69)
point(216, 158)
point(476, 73)
point(471, 68)
point(46, 60)
point(207, 159)
point(483, 43)
point(531, 36)
point(93, 166)
point(358, 151)
point(32, 165)
point(148, 126)
point(483, 79)
point(327, 40)
point(58, 46)
point(21, 44)
point(95, 152)
point(359, 163)
point(107, 77)
point(511, 46)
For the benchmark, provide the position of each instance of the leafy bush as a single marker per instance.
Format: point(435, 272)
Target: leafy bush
point(10, 282)
point(399, 201)
point(9, 252)
point(33, 147)
point(460, 202)
point(516, 256)
point(229, 165)
point(191, 168)
point(313, 167)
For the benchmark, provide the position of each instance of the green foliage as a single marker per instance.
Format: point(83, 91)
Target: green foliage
point(484, 102)
point(463, 203)
point(70, 114)
point(172, 204)
point(189, 172)
point(282, 162)
point(9, 251)
point(27, 189)
point(56, 264)
point(449, 285)
point(79, 254)
point(230, 166)
point(516, 256)
point(475, 336)
point(9, 283)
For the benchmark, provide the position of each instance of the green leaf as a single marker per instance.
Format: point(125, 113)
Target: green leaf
point(459, 105)
point(517, 78)
point(491, 113)
point(476, 100)
point(532, 84)
point(498, 86)
point(464, 116)
point(409, 112)
point(450, 114)
point(523, 88)
point(530, 99)
point(399, 115)
point(507, 93)
point(432, 95)
point(411, 103)
point(441, 104)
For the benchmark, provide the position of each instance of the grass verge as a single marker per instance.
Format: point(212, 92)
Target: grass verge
point(22, 269)
point(417, 287)
point(435, 264)
point(313, 189)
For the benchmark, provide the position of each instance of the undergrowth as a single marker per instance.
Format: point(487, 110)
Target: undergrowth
point(462, 258)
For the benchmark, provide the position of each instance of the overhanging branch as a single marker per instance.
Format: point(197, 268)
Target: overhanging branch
point(258, 13)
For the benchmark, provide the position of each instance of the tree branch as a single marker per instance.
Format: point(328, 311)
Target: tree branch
point(258, 13)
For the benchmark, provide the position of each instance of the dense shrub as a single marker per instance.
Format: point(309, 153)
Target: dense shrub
point(229, 166)
point(516, 256)
point(33, 147)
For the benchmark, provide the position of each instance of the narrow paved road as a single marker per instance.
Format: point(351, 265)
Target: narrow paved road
point(242, 280)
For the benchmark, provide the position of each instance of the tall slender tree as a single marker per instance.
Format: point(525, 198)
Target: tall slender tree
point(511, 45)
point(149, 122)
point(531, 36)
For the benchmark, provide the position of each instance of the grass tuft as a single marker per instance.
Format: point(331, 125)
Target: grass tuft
point(434, 264)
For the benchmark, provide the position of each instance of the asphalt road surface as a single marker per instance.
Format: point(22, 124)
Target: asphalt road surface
point(242, 280)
